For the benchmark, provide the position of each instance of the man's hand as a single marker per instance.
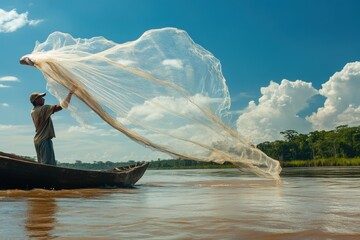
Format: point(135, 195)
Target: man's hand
point(73, 89)
point(66, 101)
point(26, 61)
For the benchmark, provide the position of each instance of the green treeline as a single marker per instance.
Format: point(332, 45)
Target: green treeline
point(96, 165)
point(158, 164)
point(185, 164)
point(319, 148)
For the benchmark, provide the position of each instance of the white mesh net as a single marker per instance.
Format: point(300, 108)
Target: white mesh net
point(163, 91)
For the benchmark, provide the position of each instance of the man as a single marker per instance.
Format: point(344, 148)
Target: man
point(44, 129)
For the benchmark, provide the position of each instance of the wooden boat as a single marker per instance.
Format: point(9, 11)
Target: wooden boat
point(20, 173)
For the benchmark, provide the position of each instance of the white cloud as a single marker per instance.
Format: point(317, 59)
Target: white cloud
point(342, 104)
point(12, 20)
point(280, 104)
point(91, 130)
point(5, 105)
point(9, 79)
point(277, 111)
point(166, 112)
point(4, 86)
point(6, 127)
point(176, 63)
point(177, 124)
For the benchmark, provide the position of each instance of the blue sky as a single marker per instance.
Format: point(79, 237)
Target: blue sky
point(288, 64)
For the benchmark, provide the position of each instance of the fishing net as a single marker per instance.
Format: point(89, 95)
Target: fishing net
point(162, 90)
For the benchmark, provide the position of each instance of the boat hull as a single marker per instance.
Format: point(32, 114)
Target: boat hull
point(18, 173)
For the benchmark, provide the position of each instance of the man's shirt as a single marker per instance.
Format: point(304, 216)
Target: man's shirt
point(44, 128)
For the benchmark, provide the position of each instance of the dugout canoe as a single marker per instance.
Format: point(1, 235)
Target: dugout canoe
point(19, 173)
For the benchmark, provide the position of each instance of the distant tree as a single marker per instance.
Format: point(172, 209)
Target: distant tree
point(342, 142)
point(289, 135)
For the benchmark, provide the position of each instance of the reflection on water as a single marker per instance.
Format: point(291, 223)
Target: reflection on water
point(193, 204)
point(42, 209)
point(41, 217)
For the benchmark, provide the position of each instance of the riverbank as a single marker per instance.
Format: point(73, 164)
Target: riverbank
point(322, 162)
point(186, 164)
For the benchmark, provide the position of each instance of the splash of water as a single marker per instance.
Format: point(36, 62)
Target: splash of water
point(162, 90)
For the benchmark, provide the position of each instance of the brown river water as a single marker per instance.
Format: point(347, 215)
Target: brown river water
point(309, 203)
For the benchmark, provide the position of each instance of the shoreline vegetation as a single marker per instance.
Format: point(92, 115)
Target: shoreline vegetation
point(169, 164)
point(339, 147)
point(177, 164)
point(343, 162)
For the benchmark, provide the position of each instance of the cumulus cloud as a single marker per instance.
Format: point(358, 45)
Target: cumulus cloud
point(5, 105)
point(167, 120)
point(177, 123)
point(342, 104)
point(91, 130)
point(280, 104)
point(12, 20)
point(278, 110)
point(164, 107)
point(9, 79)
point(4, 86)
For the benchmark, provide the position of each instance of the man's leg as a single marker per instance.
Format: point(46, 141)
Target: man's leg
point(47, 155)
point(38, 152)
